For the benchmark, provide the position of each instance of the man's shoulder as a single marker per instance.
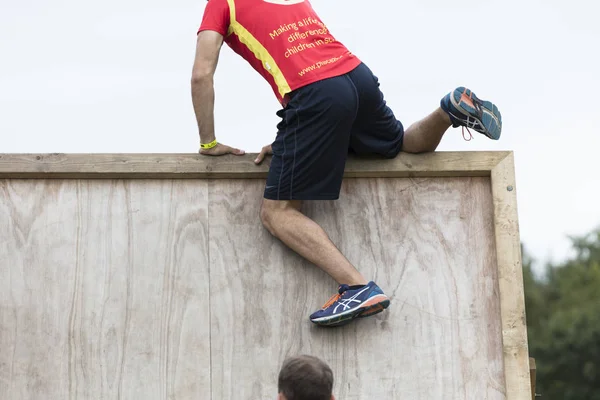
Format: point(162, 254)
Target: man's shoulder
point(281, 6)
point(216, 5)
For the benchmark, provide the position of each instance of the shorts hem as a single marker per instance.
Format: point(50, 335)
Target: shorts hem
point(302, 197)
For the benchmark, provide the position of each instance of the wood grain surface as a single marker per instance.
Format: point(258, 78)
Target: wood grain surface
point(427, 242)
point(104, 290)
point(172, 289)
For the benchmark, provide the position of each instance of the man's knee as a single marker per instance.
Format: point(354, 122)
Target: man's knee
point(272, 210)
point(266, 216)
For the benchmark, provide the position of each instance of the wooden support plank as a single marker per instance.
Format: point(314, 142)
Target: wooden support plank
point(510, 280)
point(532, 373)
point(195, 166)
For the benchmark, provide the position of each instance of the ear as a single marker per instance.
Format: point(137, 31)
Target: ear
point(332, 397)
point(280, 396)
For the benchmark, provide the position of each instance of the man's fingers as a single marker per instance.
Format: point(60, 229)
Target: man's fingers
point(264, 151)
point(260, 157)
point(231, 150)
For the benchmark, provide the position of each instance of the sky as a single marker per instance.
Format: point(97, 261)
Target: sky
point(114, 77)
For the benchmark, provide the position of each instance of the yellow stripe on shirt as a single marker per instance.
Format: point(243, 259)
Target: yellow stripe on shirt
point(258, 50)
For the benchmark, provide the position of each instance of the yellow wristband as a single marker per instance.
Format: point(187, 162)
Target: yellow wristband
point(209, 145)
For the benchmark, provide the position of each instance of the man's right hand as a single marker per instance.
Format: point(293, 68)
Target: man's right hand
point(220, 150)
point(265, 150)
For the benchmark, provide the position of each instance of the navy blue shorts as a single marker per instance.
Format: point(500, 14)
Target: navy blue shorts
point(320, 125)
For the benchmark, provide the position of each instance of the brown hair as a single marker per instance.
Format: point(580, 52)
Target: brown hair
point(305, 378)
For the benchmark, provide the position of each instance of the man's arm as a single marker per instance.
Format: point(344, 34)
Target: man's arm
point(208, 47)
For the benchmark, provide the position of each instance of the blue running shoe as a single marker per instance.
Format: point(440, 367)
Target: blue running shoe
point(465, 109)
point(349, 303)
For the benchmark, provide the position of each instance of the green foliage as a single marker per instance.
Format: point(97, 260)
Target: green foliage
point(563, 317)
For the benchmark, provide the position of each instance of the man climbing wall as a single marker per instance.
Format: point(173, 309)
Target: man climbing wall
point(331, 104)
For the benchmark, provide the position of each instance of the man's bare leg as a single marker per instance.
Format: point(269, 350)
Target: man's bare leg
point(466, 109)
point(285, 221)
point(425, 135)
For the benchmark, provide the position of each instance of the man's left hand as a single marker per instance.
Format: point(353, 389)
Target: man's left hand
point(220, 150)
point(268, 149)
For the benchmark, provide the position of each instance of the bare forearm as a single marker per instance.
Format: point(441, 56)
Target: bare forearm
point(203, 99)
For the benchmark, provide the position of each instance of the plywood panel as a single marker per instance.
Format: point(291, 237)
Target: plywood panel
point(428, 242)
point(103, 290)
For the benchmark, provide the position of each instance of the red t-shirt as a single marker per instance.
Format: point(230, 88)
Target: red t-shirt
point(284, 40)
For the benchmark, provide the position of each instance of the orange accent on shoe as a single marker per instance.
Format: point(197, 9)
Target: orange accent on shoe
point(373, 300)
point(376, 309)
point(467, 99)
point(332, 300)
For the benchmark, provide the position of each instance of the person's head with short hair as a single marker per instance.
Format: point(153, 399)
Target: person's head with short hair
point(305, 377)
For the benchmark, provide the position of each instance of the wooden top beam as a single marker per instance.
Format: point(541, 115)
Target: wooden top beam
point(195, 166)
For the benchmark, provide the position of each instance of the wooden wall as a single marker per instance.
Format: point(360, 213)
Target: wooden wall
point(172, 289)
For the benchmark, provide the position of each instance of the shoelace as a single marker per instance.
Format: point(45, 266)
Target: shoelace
point(464, 127)
point(470, 134)
point(332, 300)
